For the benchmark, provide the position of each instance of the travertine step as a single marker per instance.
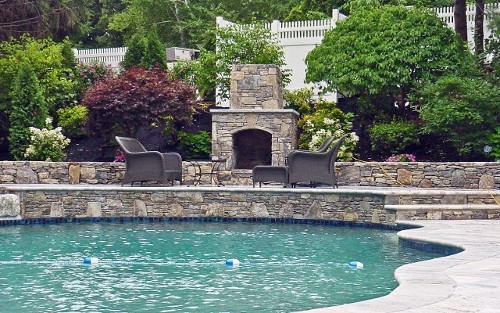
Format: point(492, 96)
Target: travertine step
point(443, 211)
point(407, 207)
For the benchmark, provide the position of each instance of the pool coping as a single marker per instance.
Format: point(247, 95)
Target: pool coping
point(464, 282)
point(368, 190)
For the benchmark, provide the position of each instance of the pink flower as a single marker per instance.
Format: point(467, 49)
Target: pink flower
point(406, 157)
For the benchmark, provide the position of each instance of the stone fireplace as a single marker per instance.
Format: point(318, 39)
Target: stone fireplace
point(255, 130)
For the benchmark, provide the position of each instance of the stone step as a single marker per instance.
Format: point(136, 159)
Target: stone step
point(420, 207)
point(443, 211)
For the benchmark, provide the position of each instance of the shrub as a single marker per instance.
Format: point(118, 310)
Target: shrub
point(249, 44)
point(73, 120)
point(393, 137)
point(326, 121)
point(54, 72)
point(465, 110)
point(145, 51)
point(300, 100)
point(137, 97)
point(46, 144)
point(195, 146)
point(28, 109)
point(89, 73)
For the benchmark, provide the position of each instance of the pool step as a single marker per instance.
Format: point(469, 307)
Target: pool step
point(443, 211)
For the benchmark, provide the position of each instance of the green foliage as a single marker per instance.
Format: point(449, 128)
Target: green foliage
point(47, 62)
point(73, 120)
point(493, 47)
point(245, 45)
point(195, 146)
point(137, 97)
point(393, 137)
point(191, 23)
point(185, 70)
point(146, 51)
point(69, 60)
point(494, 145)
point(326, 121)
point(300, 100)
point(206, 74)
point(136, 48)
point(28, 109)
point(352, 5)
point(46, 144)
point(464, 109)
point(384, 51)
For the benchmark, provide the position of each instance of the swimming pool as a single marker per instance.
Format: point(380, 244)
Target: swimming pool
point(180, 267)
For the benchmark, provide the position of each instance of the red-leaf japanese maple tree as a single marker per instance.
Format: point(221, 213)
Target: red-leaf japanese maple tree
point(122, 103)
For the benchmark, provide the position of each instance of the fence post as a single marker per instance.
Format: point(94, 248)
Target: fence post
point(219, 20)
point(335, 17)
point(275, 28)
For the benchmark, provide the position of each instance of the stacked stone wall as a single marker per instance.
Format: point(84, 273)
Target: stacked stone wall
point(468, 175)
point(256, 86)
point(484, 175)
point(151, 202)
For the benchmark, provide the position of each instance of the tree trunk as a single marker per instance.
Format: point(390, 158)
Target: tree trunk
point(479, 27)
point(460, 15)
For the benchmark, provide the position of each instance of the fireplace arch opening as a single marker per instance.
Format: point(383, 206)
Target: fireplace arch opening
point(252, 147)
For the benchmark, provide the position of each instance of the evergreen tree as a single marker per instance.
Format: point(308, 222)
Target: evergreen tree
point(28, 110)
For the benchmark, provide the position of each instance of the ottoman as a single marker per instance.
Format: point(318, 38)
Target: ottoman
point(269, 173)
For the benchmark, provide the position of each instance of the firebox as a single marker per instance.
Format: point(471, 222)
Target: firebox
point(252, 147)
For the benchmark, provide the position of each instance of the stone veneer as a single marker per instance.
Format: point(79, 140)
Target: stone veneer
point(468, 175)
point(279, 123)
point(115, 201)
point(256, 86)
point(256, 104)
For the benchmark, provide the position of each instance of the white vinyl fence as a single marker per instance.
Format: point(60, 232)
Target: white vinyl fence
point(108, 56)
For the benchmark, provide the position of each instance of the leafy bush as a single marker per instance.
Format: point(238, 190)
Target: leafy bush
point(300, 100)
point(46, 144)
point(195, 146)
point(465, 110)
point(89, 73)
point(137, 97)
point(52, 69)
point(326, 121)
point(73, 120)
point(393, 137)
point(28, 109)
point(250, 44)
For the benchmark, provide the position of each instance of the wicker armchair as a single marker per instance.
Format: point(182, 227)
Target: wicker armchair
point(314, 166)
point(142, 165)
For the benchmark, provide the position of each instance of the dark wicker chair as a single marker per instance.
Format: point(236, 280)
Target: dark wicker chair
point(142, 165)
point(314, 167)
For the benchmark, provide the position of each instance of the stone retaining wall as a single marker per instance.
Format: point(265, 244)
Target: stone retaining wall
point(419, 174)
point(200, 202)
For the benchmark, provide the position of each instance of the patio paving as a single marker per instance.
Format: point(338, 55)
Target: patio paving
point(465, 282)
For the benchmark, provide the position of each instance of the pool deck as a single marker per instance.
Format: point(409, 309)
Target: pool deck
point(465, 282)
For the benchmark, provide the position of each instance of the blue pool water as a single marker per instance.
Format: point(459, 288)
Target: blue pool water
point(180, 267)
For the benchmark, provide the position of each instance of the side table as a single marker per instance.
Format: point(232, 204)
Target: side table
point(214, 172)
